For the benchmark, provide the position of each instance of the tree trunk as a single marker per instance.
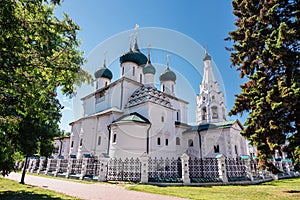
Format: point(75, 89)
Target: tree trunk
point(24, 171)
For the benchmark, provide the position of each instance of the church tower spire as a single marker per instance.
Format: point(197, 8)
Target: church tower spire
point(210, 101)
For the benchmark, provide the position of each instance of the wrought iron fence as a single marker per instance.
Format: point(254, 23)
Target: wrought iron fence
point(36, 165)
point(127, 170)
point(43, 164)
point(164, 170)
point(52, 166)
point(76, 166)
point(236, 169)
point(63, 167)
point(203, 170)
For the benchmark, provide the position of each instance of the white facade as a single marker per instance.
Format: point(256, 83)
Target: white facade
point(61, 147)
point(130, 117)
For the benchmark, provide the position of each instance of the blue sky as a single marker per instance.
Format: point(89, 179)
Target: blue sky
point(205, 22)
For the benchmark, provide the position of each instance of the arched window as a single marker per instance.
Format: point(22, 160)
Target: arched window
point(172, 88)
point(178, 115)
point(158, 141)
point(167, 142)
point(105, 83)
point(115, 138)
point(190, 143)
point(177, 141)
point(163, 88)
point(204, 113)
point(162, 119)
point(141, 78)
point(216, 149)
point(235, 148)
point(133, 71)
point(80, 143)
point(223, 113)
point(214, 111)
point(99, 140)
point(122, 71)
point(72, 143)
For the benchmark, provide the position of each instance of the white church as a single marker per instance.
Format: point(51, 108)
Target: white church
point(130, 117)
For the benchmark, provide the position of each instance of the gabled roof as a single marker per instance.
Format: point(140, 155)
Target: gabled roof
point(148, 94)
point(216, 125)
point(132, 117)
point(112, 110)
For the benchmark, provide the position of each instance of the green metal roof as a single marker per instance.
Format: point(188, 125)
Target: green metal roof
point(132, 117)
point(149, 69)
point(217, 125)
point(245, 157)
point(103, 72)
point(206, 57)
point(167, 75)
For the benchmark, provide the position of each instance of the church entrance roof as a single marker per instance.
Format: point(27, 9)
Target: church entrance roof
point(132, 117)
point(217, 125)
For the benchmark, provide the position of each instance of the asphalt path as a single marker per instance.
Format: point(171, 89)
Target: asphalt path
point(88, 191)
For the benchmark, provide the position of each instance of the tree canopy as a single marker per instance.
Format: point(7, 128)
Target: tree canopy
point(39, 54)
point(266, 51)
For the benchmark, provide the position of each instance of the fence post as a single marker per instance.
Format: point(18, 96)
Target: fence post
point(248, 168)
point(288, 168)
point(42, 160)
point(57, 167)
point(103, 168)
point(222, 168)
point(83, 168)
point(69, 168)
point(29, 165)
point(33, 164)
point(144, 168)
point(185, 169)
point(48, 166)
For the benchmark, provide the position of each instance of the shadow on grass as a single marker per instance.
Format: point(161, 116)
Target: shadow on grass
point(22, 194)
point(293, 191)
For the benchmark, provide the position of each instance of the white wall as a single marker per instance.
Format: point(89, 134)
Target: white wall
point(130, 140)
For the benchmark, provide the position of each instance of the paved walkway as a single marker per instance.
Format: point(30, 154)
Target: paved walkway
point(88, 191)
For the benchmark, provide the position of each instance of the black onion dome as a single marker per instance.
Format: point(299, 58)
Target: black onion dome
point(167, 75)
point(149, 69)
point(206, 57)
point(134, 55)
point(103, 72)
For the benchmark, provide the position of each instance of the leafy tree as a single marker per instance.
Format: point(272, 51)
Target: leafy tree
point(266, 51)
point(38, 55)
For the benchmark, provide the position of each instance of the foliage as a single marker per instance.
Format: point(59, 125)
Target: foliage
point(282, 189)
point(12, 190)
point(38, 55)
point(266, 51)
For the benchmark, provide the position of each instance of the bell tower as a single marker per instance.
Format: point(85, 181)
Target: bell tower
point(210, 101)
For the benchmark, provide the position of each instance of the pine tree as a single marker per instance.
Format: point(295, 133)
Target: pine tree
point(266, 51)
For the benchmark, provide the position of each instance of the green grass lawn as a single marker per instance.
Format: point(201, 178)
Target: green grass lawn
point(281, 189)
point(12, 190)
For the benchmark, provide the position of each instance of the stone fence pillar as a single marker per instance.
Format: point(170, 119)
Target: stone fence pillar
point(42, 160)
point(185, 169)
point(222, 168)
point(144, 168)
point(248, 169)
point(83, 168)
point(29, 165)
point(48, 166)
point(69, 168)
point(57, 167)
point(33, 165)
point(103, 169)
